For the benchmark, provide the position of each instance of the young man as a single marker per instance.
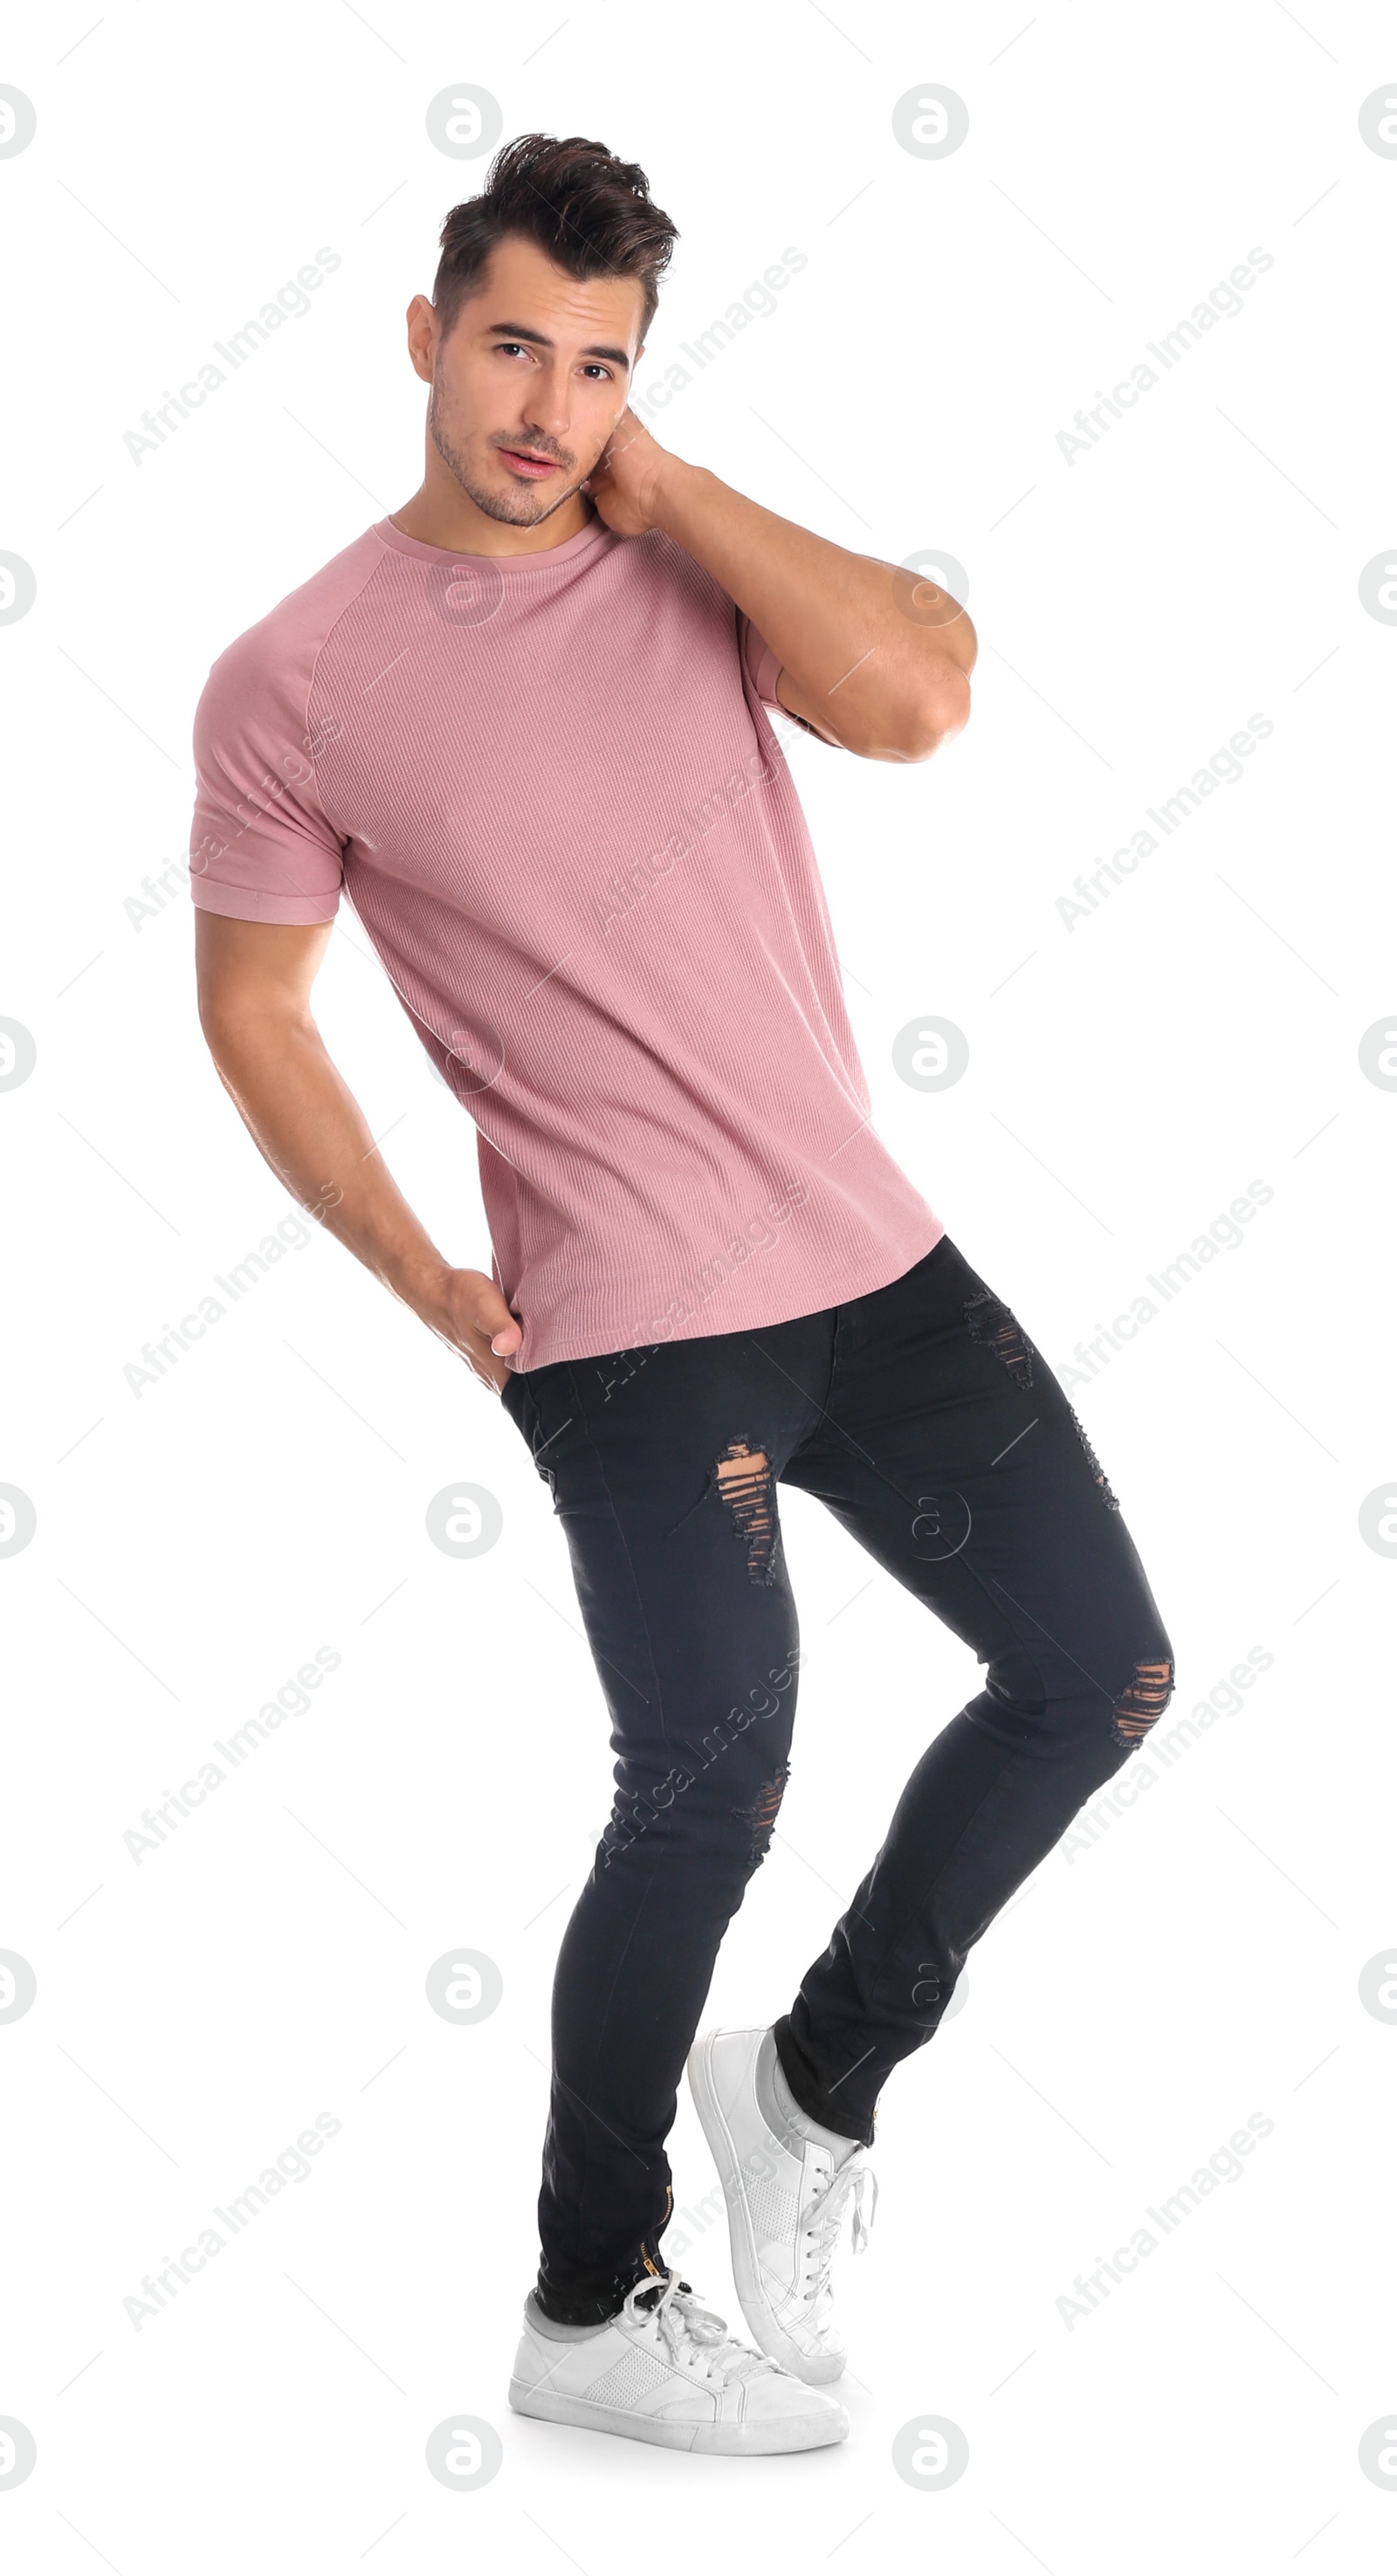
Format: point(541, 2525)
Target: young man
point(522, 723)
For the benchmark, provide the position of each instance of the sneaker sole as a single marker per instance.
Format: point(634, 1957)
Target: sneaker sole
point(767, 2330)
point(797, 2433)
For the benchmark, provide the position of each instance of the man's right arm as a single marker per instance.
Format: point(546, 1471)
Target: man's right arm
point(255, 981)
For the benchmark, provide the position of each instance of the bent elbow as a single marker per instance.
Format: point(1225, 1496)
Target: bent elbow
point(943, 713)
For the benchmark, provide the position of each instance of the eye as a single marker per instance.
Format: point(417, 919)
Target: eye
point(595, 367)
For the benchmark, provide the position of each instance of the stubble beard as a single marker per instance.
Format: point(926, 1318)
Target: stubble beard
point(510, 509)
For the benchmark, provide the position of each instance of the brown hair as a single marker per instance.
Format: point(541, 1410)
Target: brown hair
point(589, 212)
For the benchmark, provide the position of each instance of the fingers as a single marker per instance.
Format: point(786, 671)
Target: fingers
point(494, 1322)
point(506, 1341)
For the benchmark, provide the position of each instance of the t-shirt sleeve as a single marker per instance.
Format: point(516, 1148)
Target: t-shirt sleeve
point(762, 663)
point(261, 846)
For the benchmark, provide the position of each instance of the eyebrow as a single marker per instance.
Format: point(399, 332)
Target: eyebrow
point(540, 340)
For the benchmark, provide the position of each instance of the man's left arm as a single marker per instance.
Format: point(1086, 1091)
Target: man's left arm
point(873, 658)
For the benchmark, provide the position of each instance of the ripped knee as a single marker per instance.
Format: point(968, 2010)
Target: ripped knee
point(1145, 1697)
point(744, 1483)
point(760, 1817)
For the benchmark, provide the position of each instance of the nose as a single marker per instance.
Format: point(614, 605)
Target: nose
point(549, 405)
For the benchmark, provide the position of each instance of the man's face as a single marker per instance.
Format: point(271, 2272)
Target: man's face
point(531, 380)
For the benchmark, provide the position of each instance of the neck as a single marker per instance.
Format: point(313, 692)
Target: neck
point(449, 518)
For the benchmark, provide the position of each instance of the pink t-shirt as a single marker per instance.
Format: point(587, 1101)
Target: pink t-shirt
point(549, 787)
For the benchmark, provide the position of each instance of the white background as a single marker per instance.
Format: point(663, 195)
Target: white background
point(196, 1544)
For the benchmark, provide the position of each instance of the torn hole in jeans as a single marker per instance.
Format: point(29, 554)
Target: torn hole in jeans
point(990, 1321)
point(1095, 1465)
point(743, 1477)
point(1145, 1697)
point(761, 1816)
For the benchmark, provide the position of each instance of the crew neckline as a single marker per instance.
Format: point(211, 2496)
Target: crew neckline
point(511, 565)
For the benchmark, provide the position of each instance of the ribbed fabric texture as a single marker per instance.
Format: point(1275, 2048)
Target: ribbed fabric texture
point(548, 786)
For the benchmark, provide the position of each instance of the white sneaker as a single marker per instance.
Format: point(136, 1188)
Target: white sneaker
point(787, 2183)
point(665, 2370)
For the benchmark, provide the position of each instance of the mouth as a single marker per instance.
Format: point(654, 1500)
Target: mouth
point(527, 463)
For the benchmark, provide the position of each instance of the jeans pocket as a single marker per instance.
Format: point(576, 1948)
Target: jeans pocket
point(519, 1405)
point(522, 1405)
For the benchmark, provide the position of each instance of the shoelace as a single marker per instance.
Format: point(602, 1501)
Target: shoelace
point(826, 2217)
point(682, 2321)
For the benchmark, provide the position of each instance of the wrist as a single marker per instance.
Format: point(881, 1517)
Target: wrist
point(677, 489)
point(423, 1283)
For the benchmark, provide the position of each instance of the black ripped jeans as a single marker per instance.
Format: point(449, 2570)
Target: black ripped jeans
point(925, 1419)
